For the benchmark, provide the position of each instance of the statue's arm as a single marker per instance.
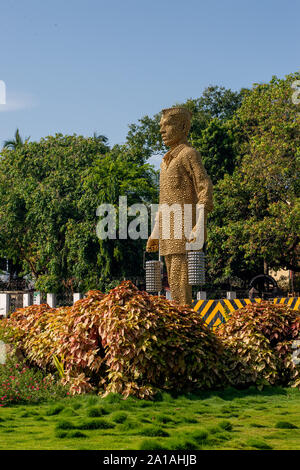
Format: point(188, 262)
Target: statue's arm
point(201, 180)
point(153, 240)
point(204, 190)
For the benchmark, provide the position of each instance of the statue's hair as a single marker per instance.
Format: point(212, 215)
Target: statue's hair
point(183, 114)
point(178, 110)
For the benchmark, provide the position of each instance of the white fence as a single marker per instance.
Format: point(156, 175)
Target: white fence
point(29, 299)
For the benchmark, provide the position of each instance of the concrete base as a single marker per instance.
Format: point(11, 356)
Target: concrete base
point(4, 304)
point(27, 300)
point(77, 296)
point(2, 352)
point(51, 300)
point(230, 295)
point(201, 295)
point(168, 295)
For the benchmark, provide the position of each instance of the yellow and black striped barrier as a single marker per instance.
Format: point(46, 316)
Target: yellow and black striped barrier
point(214, 312)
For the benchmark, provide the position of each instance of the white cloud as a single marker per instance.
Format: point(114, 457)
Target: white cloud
point(16, 101)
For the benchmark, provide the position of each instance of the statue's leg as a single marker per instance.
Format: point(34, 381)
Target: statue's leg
point(181, 291)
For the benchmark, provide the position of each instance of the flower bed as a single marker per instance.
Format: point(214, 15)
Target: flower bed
point(134, 343)
point(20, 383)
point(127, 342)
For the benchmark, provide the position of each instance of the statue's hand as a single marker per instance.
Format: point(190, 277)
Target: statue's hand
point(152, 245)
point(193, 236)
point(195, 241)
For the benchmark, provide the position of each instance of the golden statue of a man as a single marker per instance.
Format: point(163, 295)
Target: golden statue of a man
point(183, 182)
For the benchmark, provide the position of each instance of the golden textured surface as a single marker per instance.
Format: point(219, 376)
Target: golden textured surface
point(183, 180)
point(180, 289)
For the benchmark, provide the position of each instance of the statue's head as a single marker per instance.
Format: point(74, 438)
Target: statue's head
point(175, 125)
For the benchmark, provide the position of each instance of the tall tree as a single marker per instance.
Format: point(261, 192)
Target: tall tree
point(256, 216)
point(113, 175)
point(15, 143)
point(217, 144)
point(49, 193)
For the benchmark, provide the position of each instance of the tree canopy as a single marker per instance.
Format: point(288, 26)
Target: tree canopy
point(49, 193)
point(12, 144)
point(256, 216)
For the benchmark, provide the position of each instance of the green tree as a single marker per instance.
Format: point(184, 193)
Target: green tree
point(13, 144)
point(256, 215)
point(219, 102)
point(217, 145)
point(49, 193)
point(113, 175)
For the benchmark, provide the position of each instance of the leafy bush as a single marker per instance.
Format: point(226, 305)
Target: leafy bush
point(127, 341)
point(258, 345)
point(68, 333)
point(152, 343)
point(21, 384)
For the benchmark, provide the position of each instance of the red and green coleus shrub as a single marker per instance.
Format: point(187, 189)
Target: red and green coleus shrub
point(133, 342)
point(258, 345)
point(153, 343)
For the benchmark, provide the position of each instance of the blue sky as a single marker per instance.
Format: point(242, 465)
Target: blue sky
point(96, 66)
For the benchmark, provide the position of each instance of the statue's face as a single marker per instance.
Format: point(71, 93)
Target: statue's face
point(172, 129)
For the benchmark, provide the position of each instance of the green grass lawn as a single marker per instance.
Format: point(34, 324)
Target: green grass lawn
point(231, 419)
